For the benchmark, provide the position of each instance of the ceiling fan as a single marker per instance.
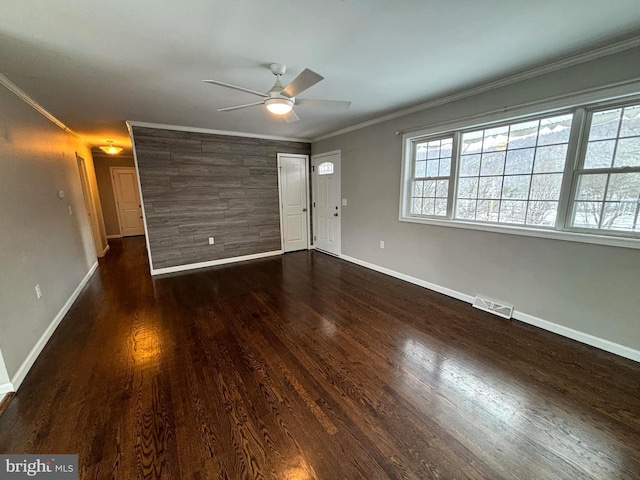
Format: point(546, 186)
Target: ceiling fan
point(280, 100)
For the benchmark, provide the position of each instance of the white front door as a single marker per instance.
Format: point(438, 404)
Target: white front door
point(127, 196)
point(326, 202)
point(294, 217)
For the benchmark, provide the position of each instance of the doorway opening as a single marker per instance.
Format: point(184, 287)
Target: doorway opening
point(89, 204)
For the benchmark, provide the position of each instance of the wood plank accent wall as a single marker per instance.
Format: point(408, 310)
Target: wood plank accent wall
point(200, 185)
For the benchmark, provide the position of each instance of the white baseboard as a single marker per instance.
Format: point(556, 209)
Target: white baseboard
point(6, 388)
point(106, 249)
point(577, 335)
point(213, 263)
point(33, 355)
point(410, 279)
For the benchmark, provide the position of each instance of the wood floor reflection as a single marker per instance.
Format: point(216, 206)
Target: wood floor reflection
point(304, 366)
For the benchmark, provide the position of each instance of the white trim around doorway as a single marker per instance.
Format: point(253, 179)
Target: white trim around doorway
point(308, 193)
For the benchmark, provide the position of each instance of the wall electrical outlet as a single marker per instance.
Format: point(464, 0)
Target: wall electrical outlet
point(38, 291)
point(381, 243)
point(211, 241)
point(344, 202)
point(70, 210)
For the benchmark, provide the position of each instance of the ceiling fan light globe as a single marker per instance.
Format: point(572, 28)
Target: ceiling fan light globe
point(279, 106)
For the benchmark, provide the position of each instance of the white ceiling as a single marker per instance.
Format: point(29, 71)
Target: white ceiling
point(96, 64)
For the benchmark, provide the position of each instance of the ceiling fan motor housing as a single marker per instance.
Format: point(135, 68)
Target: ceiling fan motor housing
point(278, 69)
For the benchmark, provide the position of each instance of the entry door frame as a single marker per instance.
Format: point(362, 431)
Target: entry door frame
point(115, 195)
point(308, 194)
point(315, 161)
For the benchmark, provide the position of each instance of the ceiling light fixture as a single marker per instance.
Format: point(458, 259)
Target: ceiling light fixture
point(279, 106)
point(110, 149)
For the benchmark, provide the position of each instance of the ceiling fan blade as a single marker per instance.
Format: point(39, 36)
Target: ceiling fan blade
point(332, 104)
point(235, 87)
point(238, 107)
point(306, 79)
point(291, 117)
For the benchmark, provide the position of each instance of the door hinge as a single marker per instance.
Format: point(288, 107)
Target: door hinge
point(313, 168)
point(314, 238)
point(314, 204)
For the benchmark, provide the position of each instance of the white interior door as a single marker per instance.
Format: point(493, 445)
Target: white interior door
point(294, 217)
point(127, 196)
point(326, 202)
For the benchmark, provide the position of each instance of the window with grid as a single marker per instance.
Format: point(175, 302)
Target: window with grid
point(430, 177)
point(325, 168)
point(607, 194)
point(553, 176)
point(513, 174)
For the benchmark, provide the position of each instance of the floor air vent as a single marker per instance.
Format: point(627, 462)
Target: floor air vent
point(494, 307)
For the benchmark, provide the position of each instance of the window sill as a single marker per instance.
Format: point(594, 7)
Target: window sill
point(612, 241)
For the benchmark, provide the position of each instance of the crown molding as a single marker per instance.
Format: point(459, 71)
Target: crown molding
point(135, 123)
point(503, 82)
point(24, 96)
point(589, 97)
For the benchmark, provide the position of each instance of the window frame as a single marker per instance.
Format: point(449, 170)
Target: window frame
point(574, 163)
point(508, 123)
point(320, 172)
point(580, 170)
point(450, 177)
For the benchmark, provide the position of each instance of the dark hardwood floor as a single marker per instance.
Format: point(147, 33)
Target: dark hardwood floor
point(304, 366)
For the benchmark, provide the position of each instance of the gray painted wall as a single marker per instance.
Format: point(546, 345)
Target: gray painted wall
point(40, 242)
point(589, 288)
point(103, 163)
point(197, 185)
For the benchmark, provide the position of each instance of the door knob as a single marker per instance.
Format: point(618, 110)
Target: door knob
point(304, 209)
point(335, 214)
